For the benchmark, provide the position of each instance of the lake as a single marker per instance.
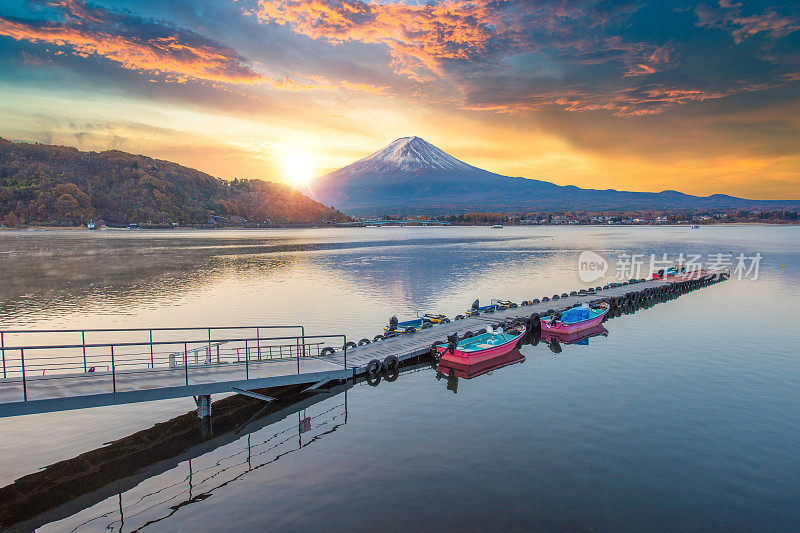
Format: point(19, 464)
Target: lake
point(685, 416)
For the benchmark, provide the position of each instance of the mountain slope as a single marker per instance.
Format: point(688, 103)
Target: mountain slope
point(58, 185)
point(412, 176)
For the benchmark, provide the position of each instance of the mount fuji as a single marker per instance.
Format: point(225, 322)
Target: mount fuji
point(412, 176)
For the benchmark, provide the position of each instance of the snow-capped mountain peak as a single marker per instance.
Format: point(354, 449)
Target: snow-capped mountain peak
point(407, 154)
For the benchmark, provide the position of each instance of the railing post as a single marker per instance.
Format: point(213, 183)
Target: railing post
point(152, 364)
point(345, 351)
point(246, 361)
point(258, 342)
point(209, 348)
point(83, 343)
point(24, 385)
point(3, 349)
point(113, 371)
point(185, 363)
point(303, 334)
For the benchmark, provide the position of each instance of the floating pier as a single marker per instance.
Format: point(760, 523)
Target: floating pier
point(137, 365)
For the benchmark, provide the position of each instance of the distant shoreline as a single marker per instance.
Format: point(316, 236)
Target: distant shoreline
point(234, 228)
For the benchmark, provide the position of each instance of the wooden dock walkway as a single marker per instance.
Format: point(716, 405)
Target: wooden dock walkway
point(24, 393)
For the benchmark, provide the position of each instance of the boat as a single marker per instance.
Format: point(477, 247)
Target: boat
point(497, 226)
point(407, 326)
point(578, 318)
point(495, 305)
point(696, 226)
point(451, 368)
point(436, 319)
point(91, 225)
point(478, 348)
point(671, 271)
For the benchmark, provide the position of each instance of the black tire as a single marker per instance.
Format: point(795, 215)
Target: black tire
point(327, 351)
point(374, 367)
point(445, 320)
point(374, 381)
point(480, 331)
point(409, 330)
point(427, 325)
point(556, 297)
point(391, 364)
point(536, 300)
point(377, 338)
point(489, 311)
point(564, 294)
point(349, 345)
point(362, 342)
point(392, 375)
point(512, 305)
point(467, 335)
point(459, 317)
point(545, 299)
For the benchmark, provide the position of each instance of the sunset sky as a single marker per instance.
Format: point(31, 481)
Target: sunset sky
point(697, 96)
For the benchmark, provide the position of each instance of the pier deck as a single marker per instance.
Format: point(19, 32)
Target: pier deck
point(25, 394)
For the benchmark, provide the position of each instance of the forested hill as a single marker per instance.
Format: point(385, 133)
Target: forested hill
point(58, 185)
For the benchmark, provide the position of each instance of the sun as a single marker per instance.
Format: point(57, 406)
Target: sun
point(298, 168)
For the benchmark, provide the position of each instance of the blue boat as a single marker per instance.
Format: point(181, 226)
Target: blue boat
point(495, 305)
point(410, 326)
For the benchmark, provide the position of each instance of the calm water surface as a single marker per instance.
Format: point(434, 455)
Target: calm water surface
point(686, 416)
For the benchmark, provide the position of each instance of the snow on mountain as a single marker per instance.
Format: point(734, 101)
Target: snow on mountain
point(407, 154)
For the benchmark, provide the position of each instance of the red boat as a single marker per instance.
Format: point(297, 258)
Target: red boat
point(478, 348)
point(575, 319)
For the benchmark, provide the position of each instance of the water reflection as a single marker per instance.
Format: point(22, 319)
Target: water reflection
point(453, 370)
point(554, 340)
point(147, 477)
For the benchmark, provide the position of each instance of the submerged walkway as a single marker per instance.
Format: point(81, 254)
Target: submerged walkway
point(24, 394)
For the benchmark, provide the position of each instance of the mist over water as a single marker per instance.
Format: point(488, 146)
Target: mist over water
point(684, 416)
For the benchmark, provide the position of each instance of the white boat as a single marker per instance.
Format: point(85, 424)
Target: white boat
point(497, 226)
point(91, 224)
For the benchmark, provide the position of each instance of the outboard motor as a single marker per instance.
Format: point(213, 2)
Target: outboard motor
point(452, 343)
point(393, 322)
point(475, 304)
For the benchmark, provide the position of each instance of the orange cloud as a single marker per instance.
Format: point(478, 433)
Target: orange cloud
point(639, 101)
point(95, 32)
point(419, 37)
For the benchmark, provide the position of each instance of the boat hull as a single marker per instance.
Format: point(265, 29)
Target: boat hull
point(572, 338)
point(573, 327)
point(478, 356)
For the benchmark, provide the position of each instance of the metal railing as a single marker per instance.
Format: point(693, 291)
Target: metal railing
point(134, 358)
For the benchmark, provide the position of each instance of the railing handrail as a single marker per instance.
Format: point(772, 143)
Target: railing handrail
point(117, 330)
point(159, 343)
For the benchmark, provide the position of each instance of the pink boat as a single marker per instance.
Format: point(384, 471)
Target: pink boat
point(479, 348)
point(575, 319)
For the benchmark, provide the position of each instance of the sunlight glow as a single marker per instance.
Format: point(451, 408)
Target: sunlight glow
point(298, 167)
